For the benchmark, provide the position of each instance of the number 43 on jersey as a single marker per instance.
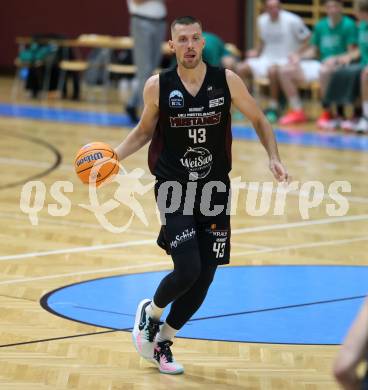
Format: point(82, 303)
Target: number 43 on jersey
point(197, 135)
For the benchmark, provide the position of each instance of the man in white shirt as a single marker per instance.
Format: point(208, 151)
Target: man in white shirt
point(148, 29)
point(281, 34)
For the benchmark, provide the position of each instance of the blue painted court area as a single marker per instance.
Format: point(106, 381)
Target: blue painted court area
point(297, 137)
point(266, 304)
point(64, 115)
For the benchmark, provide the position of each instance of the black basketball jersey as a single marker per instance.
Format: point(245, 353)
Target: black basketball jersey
point(192, 140)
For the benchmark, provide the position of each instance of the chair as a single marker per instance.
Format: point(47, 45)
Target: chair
point(100, 44)
point(312, 86)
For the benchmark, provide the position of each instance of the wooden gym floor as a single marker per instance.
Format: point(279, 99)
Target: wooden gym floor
point(40, 350)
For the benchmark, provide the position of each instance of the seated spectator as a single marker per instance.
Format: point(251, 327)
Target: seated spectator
point(42, 59)
point(334, 38)
point(362, 125)
point(37, 59)
point(215, 52)
point(281, 34)
point(350, 82)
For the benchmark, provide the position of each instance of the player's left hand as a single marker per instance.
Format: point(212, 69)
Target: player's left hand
point(279, 171)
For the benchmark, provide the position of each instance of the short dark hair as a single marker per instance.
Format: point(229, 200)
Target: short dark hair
point(186, 20)
point(363, 5)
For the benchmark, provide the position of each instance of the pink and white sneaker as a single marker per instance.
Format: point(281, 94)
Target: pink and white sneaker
point(144, 331)
point(324, 118)
point(163, 358)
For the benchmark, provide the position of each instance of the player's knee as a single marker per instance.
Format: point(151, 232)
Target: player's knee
point(273, 71)
point(187, 276)
point(207, 276)
point(325, 70)
point(286, 71)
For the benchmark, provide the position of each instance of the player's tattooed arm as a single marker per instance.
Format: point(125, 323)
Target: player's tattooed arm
point(145, 128)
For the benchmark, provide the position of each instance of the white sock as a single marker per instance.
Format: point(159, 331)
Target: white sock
point(295, 103)
point(166, 333)
point(365, 108)
point(154, 311)
point(273, 104)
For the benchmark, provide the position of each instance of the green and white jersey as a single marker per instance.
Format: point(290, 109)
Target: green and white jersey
point(334, 40)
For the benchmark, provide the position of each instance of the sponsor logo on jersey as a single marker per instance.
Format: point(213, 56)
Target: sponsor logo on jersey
point(176, 99)
point(196, 121)
point(186, 235)
point(220, 235)
point(216, 102)
point(196, 109)
point(198, 162)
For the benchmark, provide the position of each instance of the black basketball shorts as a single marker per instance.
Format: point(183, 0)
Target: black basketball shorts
point(206, 235)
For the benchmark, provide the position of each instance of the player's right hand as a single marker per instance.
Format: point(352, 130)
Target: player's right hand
point(280, 173)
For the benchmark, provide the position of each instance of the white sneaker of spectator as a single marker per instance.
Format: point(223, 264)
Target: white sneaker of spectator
point(362, 125)
point(349, 124)
point(331, 124)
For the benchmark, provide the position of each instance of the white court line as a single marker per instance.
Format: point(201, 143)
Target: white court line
point(322, 221)
point(360, 168)
point(325, 165)
point(28, 163)
point(96, 271)
point(106, 270)
point(245, 245)
point(168, 263)
point(149, 242)
point(58, 221)
point(301, 246)
point(357, 199)
point(78, 249)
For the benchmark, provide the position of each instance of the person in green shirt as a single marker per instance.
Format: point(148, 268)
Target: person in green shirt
point(362, 125)
point(215, 52)
point(333, 38)
point(349, 82)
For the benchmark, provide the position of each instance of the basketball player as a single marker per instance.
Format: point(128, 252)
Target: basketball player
point(186, 117)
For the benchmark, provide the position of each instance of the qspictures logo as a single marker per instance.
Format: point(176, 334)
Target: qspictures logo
point(261, 198)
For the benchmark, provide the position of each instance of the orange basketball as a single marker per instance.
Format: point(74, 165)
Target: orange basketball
point(96, 162)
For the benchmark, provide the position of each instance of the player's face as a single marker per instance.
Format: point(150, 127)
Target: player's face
point(273, 8)
point(187, 43)
point(333, 9)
